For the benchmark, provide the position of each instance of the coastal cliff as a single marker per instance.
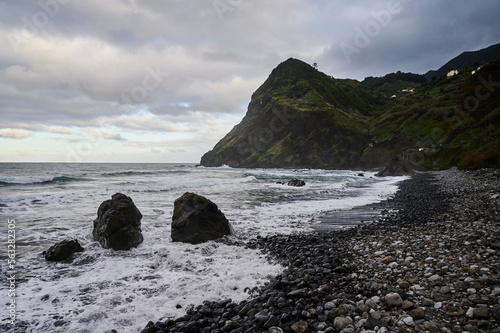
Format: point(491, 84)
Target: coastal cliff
point(302, 118)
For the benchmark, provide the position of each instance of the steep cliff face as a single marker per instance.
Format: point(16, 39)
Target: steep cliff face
point(301, 117)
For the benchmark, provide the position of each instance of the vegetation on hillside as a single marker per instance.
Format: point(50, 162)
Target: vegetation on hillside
point(301, 117)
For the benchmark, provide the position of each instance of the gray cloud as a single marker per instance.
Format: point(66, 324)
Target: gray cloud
point(188, 66)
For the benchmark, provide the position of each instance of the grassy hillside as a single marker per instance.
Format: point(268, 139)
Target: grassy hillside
point(301, 117)
point(445, 122)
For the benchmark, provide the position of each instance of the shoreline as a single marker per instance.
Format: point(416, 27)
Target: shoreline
point(432, 267)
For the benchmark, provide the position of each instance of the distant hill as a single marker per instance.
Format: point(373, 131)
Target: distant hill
point(302, 118)
point(393, 78)
point(465, 60)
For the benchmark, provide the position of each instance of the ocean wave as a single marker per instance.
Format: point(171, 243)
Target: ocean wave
point(30, 180)
point(142, 173)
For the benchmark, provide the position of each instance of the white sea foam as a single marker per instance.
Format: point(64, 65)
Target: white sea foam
point(105, 289)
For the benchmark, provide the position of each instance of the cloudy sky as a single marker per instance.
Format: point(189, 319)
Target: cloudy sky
point(164, 80)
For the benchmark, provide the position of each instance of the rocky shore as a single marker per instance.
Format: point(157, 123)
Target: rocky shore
point(431, 265)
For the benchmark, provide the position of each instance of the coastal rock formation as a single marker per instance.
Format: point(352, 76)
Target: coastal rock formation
point(196, 220)
point(118, 223)
point(63, 250)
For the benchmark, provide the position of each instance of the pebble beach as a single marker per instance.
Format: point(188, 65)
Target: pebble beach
point(430, 263)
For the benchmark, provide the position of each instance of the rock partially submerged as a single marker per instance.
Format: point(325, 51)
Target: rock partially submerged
point(63, 250)
point(400, 167)
point(118, 223)
point(197, 220)
point(293, 182)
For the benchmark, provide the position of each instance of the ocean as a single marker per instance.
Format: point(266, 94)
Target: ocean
point(103, 289)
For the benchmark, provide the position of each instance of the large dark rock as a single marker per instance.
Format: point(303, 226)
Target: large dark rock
point(118, 223)
point(196, 220)
point(62, 250)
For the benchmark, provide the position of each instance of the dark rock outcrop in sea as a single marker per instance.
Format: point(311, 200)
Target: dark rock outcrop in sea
point(63, 250)
point(118, 223)
point(294, 182)
point(196, 220)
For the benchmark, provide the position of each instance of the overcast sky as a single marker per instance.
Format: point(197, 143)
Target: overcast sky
point(164, 80)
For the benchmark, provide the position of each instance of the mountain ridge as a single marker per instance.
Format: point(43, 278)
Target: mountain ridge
point(466, 59)
point(303, 118)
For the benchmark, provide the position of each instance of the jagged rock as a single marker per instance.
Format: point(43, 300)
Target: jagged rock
point(196, 220)
point(118, 223)
point(63, 250)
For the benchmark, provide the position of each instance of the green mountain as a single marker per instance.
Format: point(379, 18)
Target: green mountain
point(392, 78)
point(465, 60)
point(302, 118)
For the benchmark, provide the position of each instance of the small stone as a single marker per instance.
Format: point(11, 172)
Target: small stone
point(480, 313)
point(329, 305)
point(299, 293)
point(403, 284)
point(431, 327)
point(299, 327)
point(347, 330)
point(438, 305)
point(378, 319)
point(408, 321)
point(434, 278)
point(417, 313)
point(393, 299)
point(474, 268)
point(427, 302)
point(337, 312)
point(271, 322)
point(445, 290)
point(429, 260)
point(340, 323)
point(274, 329)
point(407, 305)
